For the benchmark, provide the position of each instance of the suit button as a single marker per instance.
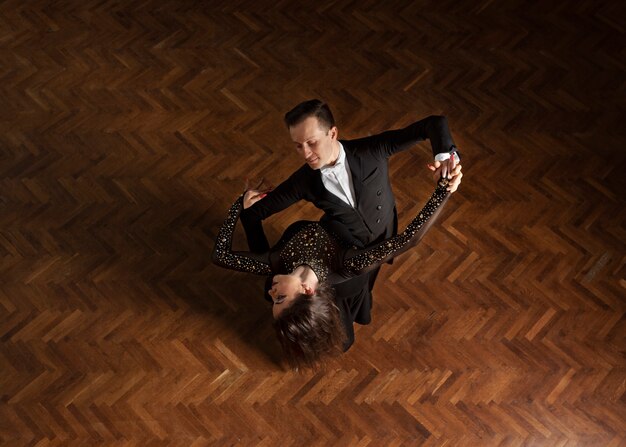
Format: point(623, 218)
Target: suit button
point(379, 192)
point(379, 207)
point(377, 220)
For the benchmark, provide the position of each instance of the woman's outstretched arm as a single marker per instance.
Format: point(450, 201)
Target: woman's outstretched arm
point(242, 261)
point(359, 261)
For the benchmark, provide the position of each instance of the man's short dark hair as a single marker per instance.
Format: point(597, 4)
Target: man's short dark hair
point(306, 109)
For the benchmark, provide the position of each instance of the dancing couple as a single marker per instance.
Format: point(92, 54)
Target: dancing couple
point(321, 274)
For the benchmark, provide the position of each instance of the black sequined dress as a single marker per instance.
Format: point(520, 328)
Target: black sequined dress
point(309, 243)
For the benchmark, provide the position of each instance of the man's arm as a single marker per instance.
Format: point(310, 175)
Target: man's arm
point(433, 128)
point(284, 195)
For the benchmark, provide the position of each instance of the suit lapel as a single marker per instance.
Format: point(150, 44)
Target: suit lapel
point(319, 190)
point(354, 163)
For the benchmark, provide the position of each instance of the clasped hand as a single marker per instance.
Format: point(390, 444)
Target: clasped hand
point(448, 169)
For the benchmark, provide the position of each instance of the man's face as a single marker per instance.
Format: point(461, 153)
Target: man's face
point(317, 146)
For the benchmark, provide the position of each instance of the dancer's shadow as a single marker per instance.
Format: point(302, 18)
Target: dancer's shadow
point(232, 301)
point(155, 257)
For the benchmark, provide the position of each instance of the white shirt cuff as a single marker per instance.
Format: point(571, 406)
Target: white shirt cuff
point(446, 155)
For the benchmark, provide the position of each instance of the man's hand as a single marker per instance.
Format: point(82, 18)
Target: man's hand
point(252, 196)
point(448, 169)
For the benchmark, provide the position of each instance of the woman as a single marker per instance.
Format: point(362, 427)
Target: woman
point(306, 262)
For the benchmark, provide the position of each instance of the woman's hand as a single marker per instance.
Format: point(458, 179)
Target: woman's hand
point(252, 196)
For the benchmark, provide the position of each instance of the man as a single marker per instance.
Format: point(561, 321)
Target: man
point(349, 181)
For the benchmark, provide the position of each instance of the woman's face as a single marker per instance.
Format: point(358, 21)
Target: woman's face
point(285, 288)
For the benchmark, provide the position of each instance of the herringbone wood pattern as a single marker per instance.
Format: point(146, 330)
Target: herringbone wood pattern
point(126, 131)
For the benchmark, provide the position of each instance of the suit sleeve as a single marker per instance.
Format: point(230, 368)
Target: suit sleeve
point(360, 261)
point(433, 128)
point(283, 196)
point(224, 256)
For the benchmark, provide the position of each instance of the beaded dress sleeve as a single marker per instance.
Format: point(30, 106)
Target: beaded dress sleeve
point(360, 261)
point(242, 261)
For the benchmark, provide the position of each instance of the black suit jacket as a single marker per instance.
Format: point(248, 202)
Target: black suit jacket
point(374, 218)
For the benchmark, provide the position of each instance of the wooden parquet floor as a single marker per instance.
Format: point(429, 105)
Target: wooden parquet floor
point(126, 131)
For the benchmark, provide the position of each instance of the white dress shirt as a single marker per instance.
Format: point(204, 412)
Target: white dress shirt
point(337, 179)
